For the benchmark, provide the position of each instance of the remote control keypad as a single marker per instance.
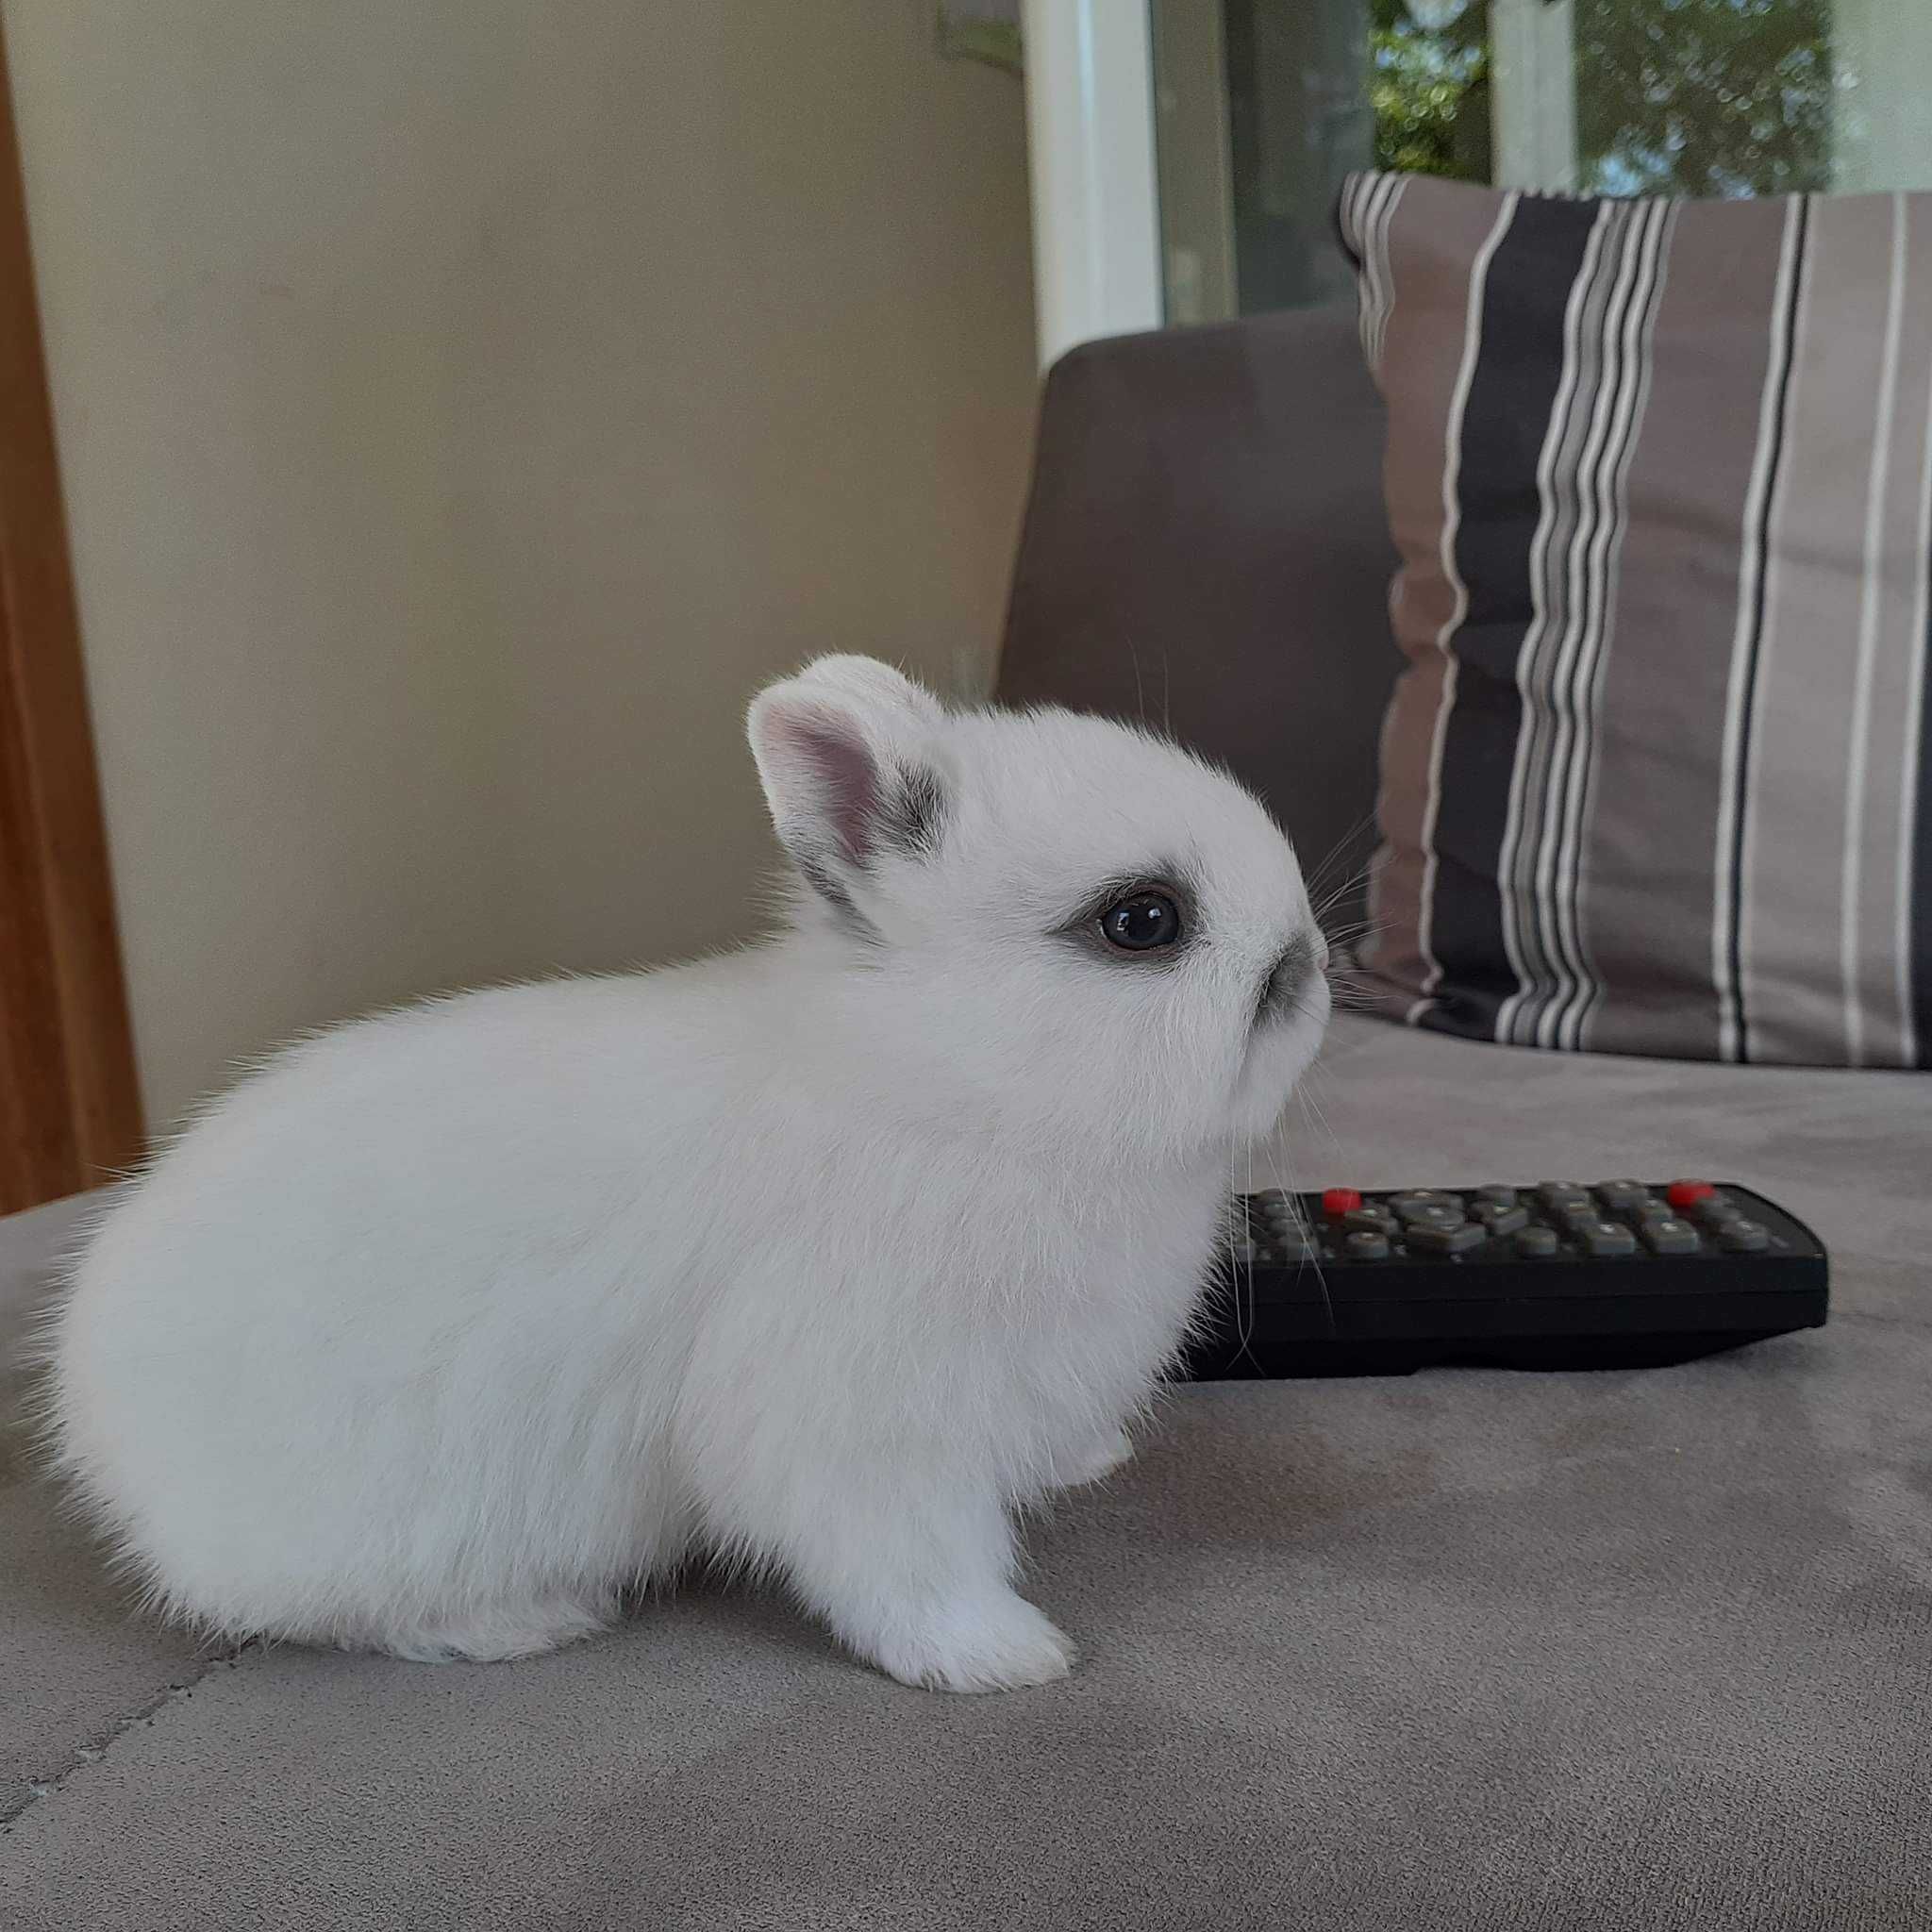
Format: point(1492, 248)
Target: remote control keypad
point(1606, 1218)
point(1556, 1274)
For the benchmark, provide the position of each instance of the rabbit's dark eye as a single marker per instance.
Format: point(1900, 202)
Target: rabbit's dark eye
point(1141, 924)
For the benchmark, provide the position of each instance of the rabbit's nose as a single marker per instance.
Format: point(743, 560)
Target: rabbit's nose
point(1305, 958)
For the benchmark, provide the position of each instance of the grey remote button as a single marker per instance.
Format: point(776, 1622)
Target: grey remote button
point(1537, 1242)
point(1620, 1197)
point(1670, 1236)
point(1500, 1218)
point(1715, 1209)
point(1425, 1203)
point(1647, 1207)
point(1371, 1220)
point(1366, 1244)
point(1745, 1237)
point(1435, 1240)
point(1562, 1194)
point(1429, 1214)
point(1608, 1238)
point(1580, 1214)
point(1495, 1195)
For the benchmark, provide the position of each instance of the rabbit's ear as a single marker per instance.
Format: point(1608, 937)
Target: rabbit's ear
point(871, 683)
point(840, 752)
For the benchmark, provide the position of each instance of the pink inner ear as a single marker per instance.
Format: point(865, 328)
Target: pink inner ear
point(847, 779)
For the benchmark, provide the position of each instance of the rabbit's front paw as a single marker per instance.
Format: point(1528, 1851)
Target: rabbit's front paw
point(1001, 1643)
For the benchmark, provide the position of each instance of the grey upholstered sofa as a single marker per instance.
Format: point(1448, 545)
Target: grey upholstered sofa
point(1642, 1650)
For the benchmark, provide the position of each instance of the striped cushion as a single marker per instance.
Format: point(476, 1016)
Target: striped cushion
point(1656, 777)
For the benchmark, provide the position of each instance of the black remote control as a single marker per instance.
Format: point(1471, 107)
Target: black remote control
point(1611, 1274)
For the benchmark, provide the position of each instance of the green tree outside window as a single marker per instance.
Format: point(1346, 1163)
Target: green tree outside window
point(1696, 97)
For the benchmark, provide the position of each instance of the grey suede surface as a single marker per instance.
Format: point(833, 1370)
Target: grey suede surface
point(72, 1666)
point(1638, 1650)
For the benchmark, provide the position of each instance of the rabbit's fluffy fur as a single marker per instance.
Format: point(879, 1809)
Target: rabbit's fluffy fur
point(444, 1330)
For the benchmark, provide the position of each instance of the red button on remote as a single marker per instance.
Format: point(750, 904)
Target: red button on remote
point(1682, 1194)
point(1340, 1201)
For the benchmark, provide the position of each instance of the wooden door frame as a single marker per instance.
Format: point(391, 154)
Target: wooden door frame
point(70, 1099)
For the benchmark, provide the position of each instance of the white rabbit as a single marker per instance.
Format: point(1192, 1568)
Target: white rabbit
point(445, 1329)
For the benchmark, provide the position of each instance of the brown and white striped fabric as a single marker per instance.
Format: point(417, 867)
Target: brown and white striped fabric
point(1657, 777)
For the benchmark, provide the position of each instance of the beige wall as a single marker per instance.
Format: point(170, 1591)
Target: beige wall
point(463, 405)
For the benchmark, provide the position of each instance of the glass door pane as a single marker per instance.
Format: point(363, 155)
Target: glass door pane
point(1262, 106)
point(1717, 97)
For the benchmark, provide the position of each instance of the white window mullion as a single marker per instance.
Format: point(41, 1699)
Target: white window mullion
point(1883, 137)
point(1090, 120)
point(1533, 95)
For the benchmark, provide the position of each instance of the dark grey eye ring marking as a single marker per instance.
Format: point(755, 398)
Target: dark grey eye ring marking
point(1085, 929)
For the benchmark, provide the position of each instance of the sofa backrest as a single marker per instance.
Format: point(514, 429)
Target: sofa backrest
point(1206, 547)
